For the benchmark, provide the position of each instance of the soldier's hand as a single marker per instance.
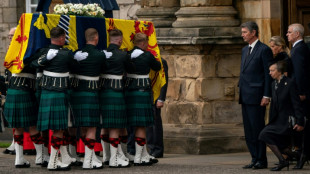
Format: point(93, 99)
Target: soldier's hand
point(51, 54)
point(80, 55)
point(159, 104)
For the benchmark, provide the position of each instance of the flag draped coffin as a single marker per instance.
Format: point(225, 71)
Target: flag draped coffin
point(33, 33)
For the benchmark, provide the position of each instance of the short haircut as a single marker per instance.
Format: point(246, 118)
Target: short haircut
point(140, 37)
point(279, 41)
point(115, 33)
point(90, 34)
point(57, 32)
point(251, 25)
point(298, 28)
point(281, 66)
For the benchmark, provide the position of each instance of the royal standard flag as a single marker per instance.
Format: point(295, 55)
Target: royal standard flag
point(33, 33)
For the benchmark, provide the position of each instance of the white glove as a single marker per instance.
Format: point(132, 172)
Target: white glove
point(80, 55)
point(51, 54)
point(136, 53)
point(107, 54)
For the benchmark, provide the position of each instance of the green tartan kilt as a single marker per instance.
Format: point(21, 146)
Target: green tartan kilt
point(139, 108)
point(85, 107)
point(53, 111)
point(113, 109)
point(38, 95)
point(20, 109)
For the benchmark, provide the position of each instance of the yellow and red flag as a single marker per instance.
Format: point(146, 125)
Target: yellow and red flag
point(33, 33)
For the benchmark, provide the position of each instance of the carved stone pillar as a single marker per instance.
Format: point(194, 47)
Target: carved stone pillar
point(206, 13)
point(160, 12)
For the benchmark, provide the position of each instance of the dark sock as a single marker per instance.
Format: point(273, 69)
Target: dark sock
point(114, 142)
point(37, 139)
point(124, 139)
point(19, 139)
point(140, 141)
point(90, 143)
point(56, 142)
point(105, 138)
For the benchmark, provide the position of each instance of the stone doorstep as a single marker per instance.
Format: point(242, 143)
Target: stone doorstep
point(214, 139)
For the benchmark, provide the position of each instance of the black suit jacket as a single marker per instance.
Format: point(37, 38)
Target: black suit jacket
point(163, 90)
point(300, 56)
point(255, 81)
point(285, 102)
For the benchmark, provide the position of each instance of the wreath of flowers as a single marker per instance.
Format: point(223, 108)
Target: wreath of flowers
point(93, 10)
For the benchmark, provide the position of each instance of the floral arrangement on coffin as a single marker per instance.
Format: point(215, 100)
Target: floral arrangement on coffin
point(93, 10)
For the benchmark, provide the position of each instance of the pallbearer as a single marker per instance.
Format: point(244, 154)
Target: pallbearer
point(112, 100)
point(53, 108)
point(85, 96)
point(139, 96)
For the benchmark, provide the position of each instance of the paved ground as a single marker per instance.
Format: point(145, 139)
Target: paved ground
point(171, 163)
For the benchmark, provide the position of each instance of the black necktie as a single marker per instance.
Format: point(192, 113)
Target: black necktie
point(247, 55)
point(249, 51)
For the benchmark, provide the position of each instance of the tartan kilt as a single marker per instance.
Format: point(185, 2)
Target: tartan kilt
point(20, 108)
point(53, 111)
point(85, 107)
point(38, 95)
point(113, 109)
point(139, 108)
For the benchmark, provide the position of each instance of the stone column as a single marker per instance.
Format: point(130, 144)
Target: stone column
point(206, 13)
point(160, 12)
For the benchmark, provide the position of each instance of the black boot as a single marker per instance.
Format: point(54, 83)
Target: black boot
point(301, 162)
point(281, 165)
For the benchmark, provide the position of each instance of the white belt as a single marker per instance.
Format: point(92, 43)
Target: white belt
point(26, 75)
point(39, 74)
point(54, 74)
point(136, 76)
point(110, 76)
point(81, 77)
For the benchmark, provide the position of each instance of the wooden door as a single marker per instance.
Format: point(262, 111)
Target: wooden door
point(296, 11)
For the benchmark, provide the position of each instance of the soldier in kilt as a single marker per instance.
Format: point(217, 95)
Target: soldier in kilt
point(21, 110)
point(53, 108)
point(112, 101)
point(139, 96)
point(85, 95)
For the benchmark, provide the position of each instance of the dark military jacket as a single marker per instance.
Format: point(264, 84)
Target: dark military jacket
point(91, 66)
point(63, 62)
point(117, 65)
point(143, 64)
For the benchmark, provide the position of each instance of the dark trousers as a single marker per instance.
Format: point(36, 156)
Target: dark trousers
point(254, 122)
point(131, 141)
point(306, 133)
point(154, 135)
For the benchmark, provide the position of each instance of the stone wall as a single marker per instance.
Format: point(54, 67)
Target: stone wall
point(10, 11)
point(128, 9)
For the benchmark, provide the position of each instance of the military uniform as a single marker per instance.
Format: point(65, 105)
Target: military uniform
point(20, 108)
point(85, 94)
point(112, 100)
point(138, 89)
point(53, 108)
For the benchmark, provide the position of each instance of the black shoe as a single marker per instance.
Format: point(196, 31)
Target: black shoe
point(157, 155)
point(7, 151)
point(260, 166)
point(301, 162)
point(281, 165)
point(249, 166)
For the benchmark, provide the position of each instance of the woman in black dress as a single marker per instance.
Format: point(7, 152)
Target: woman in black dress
point(285, 102)
point(280, 52)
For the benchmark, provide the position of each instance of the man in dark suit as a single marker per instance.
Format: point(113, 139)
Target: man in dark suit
point(254, 92)
point(300, 55)
point(154, 134)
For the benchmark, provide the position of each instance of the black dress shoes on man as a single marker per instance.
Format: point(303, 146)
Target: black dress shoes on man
point(249, 166)
point(259, 165)
point(7, 151)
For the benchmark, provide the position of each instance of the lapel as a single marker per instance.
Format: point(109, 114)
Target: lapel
point(251, 56)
